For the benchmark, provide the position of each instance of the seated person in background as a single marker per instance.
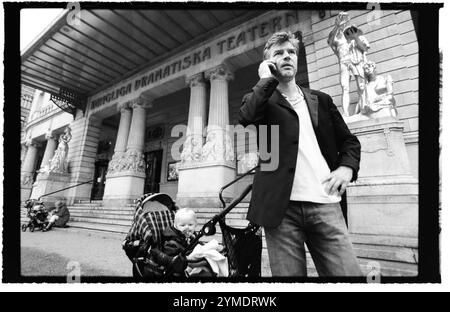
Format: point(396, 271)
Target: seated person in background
point(59, 216)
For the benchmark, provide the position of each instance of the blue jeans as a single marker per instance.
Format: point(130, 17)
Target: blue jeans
point(322, 228)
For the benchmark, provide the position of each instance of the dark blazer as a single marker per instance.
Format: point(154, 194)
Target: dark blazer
point(266, 106)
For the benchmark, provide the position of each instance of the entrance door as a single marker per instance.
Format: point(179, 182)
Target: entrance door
point(153, 163)
point(98, 186)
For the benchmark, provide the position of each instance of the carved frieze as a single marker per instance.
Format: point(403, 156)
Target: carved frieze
point(221, 72)
point(192, 149)
point(131, 160)
point(218, 147)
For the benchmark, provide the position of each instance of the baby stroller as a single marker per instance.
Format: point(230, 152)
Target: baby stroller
point(37, 214)
point(241, 246)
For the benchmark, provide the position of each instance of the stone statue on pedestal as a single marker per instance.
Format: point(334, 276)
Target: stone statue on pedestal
point(378, 92)
point(350, 47)
point(58, 163)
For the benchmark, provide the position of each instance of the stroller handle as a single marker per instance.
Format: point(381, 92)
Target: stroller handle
point(232, 182)
point(210, 227)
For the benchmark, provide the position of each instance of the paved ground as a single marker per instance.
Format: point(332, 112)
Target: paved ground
point(48, 253)
point(99, 253)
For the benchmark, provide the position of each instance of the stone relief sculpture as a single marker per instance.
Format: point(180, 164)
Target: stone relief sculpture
point(378, 92)
point(132, 160)
point(135, 161)
point(209, 151)
point(350, 46)
point(27, 179)
point(115, 164)
point(192, 149)
point(58, 163)
point(218, 147)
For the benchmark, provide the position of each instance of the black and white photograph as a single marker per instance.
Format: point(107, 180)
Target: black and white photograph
point(223, 143)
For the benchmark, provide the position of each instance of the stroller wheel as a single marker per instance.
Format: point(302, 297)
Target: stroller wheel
point(24, 227)
point(31, 227)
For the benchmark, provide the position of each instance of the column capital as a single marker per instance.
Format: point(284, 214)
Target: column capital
point(123, 106)
point(195, 80)
point(49, 135)
point(140, 102)
point(30, 142)
point(221, 72)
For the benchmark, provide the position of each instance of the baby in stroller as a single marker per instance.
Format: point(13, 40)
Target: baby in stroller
point(161, 245)
point(37, 214)
point(177, 238)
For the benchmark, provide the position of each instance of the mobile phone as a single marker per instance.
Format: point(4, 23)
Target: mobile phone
point(273, 68)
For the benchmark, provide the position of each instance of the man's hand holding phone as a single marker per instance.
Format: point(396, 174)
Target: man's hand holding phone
point(267, 69)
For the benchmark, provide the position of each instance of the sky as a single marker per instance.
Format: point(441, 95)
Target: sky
point(33, 22)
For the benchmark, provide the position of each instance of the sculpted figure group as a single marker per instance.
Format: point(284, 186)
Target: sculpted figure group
point(58, 163)
point(350, 46)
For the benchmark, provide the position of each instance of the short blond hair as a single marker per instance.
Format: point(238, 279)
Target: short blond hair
point(279, 38)
point(184, 212)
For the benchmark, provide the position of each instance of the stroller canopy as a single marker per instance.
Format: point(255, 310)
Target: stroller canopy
point(154, 212)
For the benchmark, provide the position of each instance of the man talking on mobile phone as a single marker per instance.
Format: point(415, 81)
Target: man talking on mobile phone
point(298, 203)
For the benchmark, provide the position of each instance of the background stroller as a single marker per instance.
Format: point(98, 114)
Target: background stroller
point(37, 214)
point(242, 246)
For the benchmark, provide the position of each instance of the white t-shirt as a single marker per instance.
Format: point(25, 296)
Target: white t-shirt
point(311, 168)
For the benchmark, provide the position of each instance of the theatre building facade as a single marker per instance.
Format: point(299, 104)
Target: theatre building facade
point(136, 102)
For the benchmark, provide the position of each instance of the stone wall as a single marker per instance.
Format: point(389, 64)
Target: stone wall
point(82, 155)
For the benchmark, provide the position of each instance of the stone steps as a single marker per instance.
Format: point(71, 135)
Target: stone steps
point(102, 220)
point(101, 212)
point(389, 253)
point(108, 216)
point(93, 216)
point(242, 210)
point(99, 207)
point(113, 228)
point(389, 268)
point(399, 241)
point(100, 202)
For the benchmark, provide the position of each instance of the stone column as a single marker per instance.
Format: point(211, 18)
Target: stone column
point(28, 168)
point(192, 148)
point(136, 138)
point(125, 181)
point(124, 128)
point(136, 135)
point(122, 138)
point(200, 182)
point(218, 145)
point(49, 149)
point(23, 152)
point(82, 156)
